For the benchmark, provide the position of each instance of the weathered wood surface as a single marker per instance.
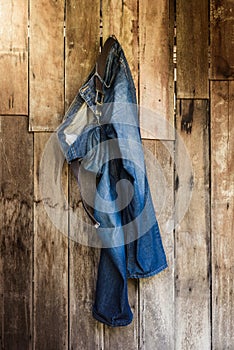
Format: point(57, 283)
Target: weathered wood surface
point(14, 57)
point(157, 293)
point(46, 64)
point(121, 19)
point(82, 43)
point(192, 49)
point(16, 219)
point(168, 314)
point(192, 231)
point(222, 201)
point(156, 23)
point(222, 39)
point(50, 253)
point(84, 331)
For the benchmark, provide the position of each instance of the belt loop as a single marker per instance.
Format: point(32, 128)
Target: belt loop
point(99, 98)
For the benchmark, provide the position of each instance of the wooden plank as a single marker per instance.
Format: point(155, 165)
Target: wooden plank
point(46, 64)
point(50, 251)
point(16, 219)
point(222, 39)
point(192, 233)
point(222, 199)
point(85, 331)
point(121, 19)
point(14, 57)
point(82, 48)
point(82, 43)
point(192, 49)
point(156, 24)
point(157, 292)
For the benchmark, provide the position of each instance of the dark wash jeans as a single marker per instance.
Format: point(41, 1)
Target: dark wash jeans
point(109, 150)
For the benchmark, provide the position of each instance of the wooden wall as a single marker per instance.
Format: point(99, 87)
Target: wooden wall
point(47, 282)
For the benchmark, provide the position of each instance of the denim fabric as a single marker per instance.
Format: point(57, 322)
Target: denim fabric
point(109, 148)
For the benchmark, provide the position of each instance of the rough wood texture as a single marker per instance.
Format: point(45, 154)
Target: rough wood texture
point(16, 214)
point(192, 234)
point(222, 39)
point(80, 54)
point(47, 283)
point(222, 199)
point(156, 24)
point(121, 19)
point(50, 257)
point(85, 332)
point(156, 293)
point(46, 64)
point(14, 57)
point(192, 49)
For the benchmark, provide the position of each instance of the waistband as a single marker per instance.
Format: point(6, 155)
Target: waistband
point(112, 62)
point(88, 91)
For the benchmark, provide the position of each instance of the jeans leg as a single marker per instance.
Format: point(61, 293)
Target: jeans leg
point(111, 303)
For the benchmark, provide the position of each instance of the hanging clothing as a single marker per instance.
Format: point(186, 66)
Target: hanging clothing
point(100, 132)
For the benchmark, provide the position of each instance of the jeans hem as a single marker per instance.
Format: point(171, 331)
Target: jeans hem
point(99, 318)
point(149, 274)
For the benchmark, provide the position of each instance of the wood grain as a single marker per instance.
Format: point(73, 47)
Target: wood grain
point(156, 23)
point(48, 282)
point(222, 200)
point(14, 57)
point(192, 49)
point(46, 86)
point(85, 331)
point(156, 293)
point(121, 19)
point(82, 43)
point(222, 39)
point(82, 48)
point(16, 219)
point(50, 253)
point(192, 232)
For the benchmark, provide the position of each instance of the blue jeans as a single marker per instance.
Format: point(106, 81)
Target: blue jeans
point(109, 150)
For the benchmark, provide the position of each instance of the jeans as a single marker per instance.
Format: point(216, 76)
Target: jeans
point(114, 185)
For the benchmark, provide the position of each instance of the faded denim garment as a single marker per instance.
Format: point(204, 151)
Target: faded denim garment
point(109, 149)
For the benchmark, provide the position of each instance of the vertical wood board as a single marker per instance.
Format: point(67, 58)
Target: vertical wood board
point(192, 231)
point(156, 24)
point(50, 251)
point(82, 44)
point(82, 49)
point(121, 19)
point(192, 49)
point(16, 219)
point(222, 201)
point(85, 331)
point(222, 39)
point(14, 57)
point(46, 69)
point(157, 292)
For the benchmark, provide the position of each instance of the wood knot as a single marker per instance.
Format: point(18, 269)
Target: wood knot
point(187, 119)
